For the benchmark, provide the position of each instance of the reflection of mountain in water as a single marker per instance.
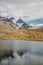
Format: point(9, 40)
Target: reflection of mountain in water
point(31, 52)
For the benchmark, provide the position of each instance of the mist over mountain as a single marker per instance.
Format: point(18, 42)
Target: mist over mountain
point(38, 27)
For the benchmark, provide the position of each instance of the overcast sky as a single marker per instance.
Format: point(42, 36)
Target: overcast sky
point(31, 8)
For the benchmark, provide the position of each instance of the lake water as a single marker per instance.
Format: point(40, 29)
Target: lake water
point(33, 54)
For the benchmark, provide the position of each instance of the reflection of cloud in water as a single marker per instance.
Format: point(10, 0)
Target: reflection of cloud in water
point(27, 59)
point(33, 56)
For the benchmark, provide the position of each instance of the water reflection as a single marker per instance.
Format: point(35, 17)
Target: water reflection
point(23, 52)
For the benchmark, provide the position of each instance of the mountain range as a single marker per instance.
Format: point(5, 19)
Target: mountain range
point(14, 23)
point(11, 21)
point(38, 27)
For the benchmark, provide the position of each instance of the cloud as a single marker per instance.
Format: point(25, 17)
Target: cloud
point(31, 8)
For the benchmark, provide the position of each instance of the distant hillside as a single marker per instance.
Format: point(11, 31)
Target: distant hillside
point(36, 21)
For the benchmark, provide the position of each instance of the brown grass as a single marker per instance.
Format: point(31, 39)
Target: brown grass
point(21, 34)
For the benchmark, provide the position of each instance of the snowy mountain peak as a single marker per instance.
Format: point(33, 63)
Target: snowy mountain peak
point(22, 23)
